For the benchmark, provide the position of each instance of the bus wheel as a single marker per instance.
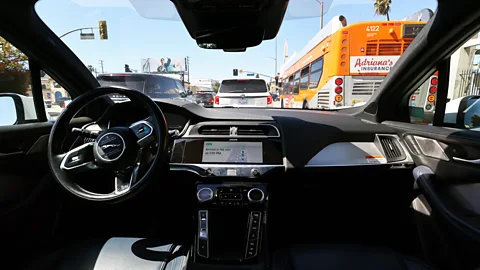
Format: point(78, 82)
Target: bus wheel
point(281, 104)
point(305, 105)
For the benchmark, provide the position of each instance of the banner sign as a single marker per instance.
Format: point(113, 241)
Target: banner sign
point(372, 64)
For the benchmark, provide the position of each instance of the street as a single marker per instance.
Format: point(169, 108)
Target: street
point(54, 111)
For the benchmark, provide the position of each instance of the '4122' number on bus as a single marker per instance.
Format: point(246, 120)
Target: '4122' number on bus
point(373, 28)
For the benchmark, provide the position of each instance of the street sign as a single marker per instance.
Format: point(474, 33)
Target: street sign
point(251, 74)
point(87, 36)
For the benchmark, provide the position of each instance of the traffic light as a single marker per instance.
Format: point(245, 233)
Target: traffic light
point(235, 72)
point(102, 28)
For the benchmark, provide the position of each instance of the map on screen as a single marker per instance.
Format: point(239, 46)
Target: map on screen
point(232, 152)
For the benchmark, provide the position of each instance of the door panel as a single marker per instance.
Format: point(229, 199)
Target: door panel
point(29, 197)
point(448, 206)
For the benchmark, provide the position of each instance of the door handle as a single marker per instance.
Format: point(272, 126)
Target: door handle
point(471, 161)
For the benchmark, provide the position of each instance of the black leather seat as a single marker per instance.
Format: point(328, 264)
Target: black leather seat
point(341, 257)
point(117, 254)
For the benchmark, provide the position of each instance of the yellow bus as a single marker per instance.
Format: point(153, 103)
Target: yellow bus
point(343, 65)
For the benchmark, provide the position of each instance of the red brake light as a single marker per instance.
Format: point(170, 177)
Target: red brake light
point(433, 90)
point(338, 90)
point(338, 81)
point(269, 100)
point(217, 100)
point(210, 101)
point(434, 81)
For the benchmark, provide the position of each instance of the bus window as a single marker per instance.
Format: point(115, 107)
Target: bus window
point(296, 82)
point(290, 85)
point(304, 78)
point(316, 74)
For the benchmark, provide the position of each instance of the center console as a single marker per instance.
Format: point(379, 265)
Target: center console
point(231, 222)
point(231, 199)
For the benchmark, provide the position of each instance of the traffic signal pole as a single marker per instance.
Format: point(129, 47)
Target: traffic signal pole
point(78, 29)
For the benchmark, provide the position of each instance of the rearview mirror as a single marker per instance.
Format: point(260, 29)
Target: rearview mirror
point(9, 115)
point(233, 39)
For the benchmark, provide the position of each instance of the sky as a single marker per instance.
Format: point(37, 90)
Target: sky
point(133, 37)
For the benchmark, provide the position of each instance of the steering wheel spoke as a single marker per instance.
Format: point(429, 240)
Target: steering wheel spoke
point(126, 179)
point(79, 159)
point(143, 131)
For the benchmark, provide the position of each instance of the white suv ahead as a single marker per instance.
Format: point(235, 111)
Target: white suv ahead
point(243, 93)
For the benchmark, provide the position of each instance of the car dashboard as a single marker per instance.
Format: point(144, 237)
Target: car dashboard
point(251, 142)
point(236, 166)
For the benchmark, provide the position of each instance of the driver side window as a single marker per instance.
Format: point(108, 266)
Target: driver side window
point(18, 94)
point(16, 100)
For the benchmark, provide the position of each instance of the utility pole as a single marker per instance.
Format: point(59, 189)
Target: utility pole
point(321, 13)
point(187, 67)
point(101, 65)
point(276, 50)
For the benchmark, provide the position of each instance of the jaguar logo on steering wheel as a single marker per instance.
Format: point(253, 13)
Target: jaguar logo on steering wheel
point(110, 146)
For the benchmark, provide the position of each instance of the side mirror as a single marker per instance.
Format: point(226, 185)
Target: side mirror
point(13, 111)
point(468, 115)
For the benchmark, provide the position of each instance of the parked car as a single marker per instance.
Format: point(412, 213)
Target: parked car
point(204, 99)
point(243, 93)
point(48, 103)
point(153, 85)
point(63, 101)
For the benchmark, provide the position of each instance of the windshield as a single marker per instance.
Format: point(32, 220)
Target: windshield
point(203, 96)
point(327, 55)
point(243, 86)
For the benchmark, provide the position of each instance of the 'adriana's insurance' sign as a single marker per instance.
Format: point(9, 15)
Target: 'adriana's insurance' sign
point(372, 64)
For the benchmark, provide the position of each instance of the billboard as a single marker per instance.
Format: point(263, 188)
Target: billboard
point(163, 65)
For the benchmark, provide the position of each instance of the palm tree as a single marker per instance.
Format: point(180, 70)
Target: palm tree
point(382, 7)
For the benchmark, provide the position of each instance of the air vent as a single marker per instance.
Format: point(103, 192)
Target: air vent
point(239, 130)
point(391, 148)
point(255, 131)
point(214, 130)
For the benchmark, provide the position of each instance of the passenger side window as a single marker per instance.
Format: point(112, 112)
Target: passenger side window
point(463, 103)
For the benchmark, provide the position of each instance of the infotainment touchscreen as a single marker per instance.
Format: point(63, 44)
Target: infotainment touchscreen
point(232, 152)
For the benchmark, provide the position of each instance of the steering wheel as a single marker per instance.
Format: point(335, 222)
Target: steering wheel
point(120, 149)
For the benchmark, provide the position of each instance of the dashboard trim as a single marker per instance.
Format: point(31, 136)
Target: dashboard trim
point(189, 130)
point(222, 170)
point(343, 154)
